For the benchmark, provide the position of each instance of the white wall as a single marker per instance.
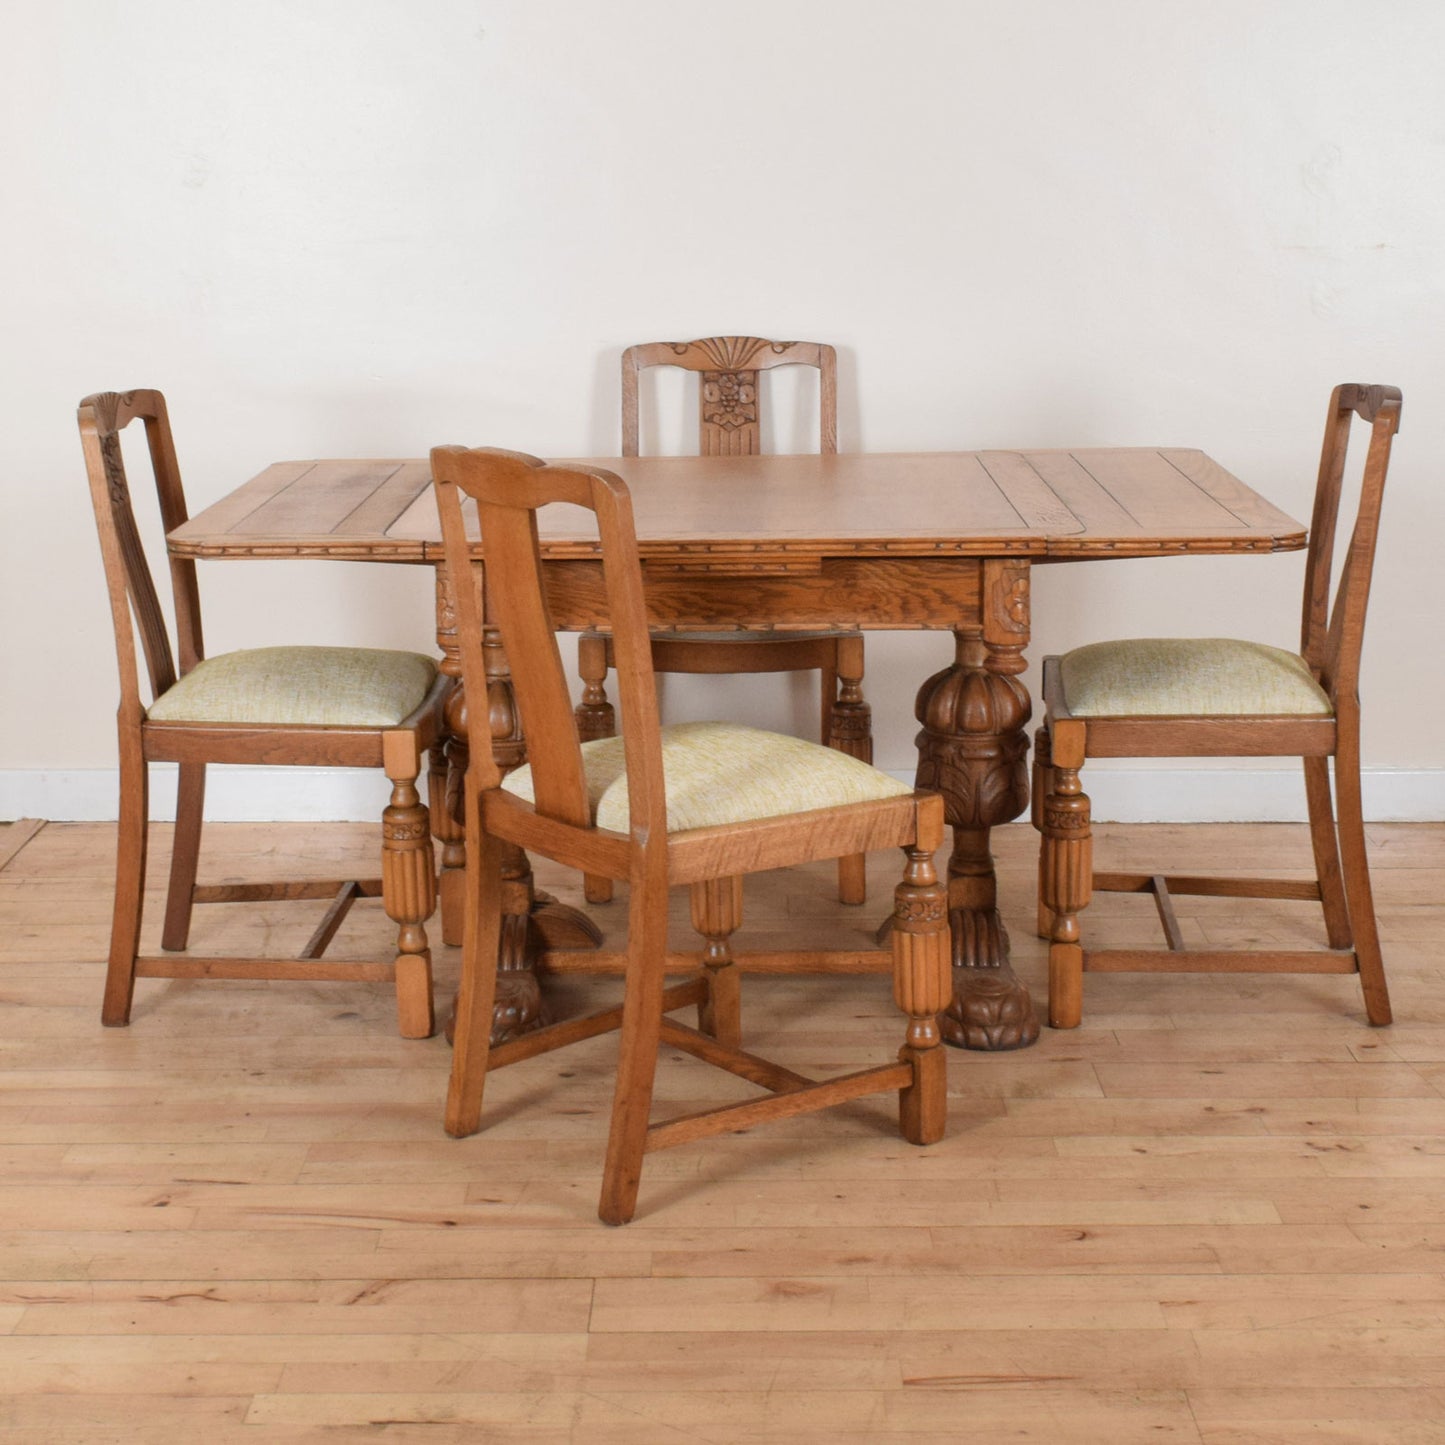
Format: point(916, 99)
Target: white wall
point(330, 228)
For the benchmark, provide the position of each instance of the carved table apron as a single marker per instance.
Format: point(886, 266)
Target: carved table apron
point(941, 541)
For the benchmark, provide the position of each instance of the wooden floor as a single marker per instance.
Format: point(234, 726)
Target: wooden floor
point(1212, 1214)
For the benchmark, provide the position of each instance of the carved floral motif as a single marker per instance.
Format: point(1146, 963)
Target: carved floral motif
point(446, 610)
point(928, 908)
point(1066, 820)
point(978, 791)
point(850, 722)
point(407, 830)
point(730, 399)
point(1016, 602)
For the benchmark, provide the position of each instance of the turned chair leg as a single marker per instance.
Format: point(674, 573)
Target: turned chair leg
point(596, 718)
point(848, 728)
point(640, 1039)
point(1356, 870)
point(1042, 784)
point(444, 783)
point(922, 987)
point(130, 881)
point(1066, 872)
point(717, 909)
point(408, 883)
point(476, 996)
point(185, 855)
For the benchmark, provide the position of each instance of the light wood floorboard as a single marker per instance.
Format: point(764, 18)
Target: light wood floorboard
point(1214, 1214)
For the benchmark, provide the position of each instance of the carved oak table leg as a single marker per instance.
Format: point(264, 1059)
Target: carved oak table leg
point(531, 921)
point(972, 749)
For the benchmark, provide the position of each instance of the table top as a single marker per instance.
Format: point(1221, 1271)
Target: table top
point(1050, 505)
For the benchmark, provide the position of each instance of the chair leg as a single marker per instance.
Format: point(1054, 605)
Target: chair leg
point(408, 883)
point(717, 909)
point(1327, 853)
point(443, 785)
point(922, 986)
point(827, 700)
point(848, 727)
point(1066, 872)
point(476, 996)
point(185, 854)
point(1356, 869)
point(130, 880)
point(596, 718)
point(1042, 784)
point(638, 1045)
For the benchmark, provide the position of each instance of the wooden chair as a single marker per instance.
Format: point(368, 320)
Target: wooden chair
point(1211, 697)
point(305, 706)
point(737, 800)
point(729, 425)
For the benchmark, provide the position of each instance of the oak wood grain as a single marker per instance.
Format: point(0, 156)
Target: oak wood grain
point(1215, 1216)
point(785, 512)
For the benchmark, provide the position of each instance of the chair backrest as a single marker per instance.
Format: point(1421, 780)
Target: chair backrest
point(728, 405)
point(134, 601)
point(1331, 637)
point(509, 488)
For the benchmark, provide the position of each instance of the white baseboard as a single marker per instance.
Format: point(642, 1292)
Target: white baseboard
point(1123, 795)
point(1252, 795)
point(233, 794)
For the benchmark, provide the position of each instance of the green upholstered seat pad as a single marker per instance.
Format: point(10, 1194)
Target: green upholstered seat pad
point(719, 773)
point(1189, 677)
point(300, 686)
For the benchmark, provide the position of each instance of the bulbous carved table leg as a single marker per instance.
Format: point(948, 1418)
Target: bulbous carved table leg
point(972, 749)
point(532, 921)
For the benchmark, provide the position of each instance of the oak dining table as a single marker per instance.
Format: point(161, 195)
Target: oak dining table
point(940, 541)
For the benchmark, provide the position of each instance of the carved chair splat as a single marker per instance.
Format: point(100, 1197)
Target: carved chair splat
point(730, 424)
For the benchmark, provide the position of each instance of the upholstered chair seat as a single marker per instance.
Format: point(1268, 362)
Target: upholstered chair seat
point(719, 773)
point(1189, 677)
point(272, 707)
point(300, 687)
point(1214, 697)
